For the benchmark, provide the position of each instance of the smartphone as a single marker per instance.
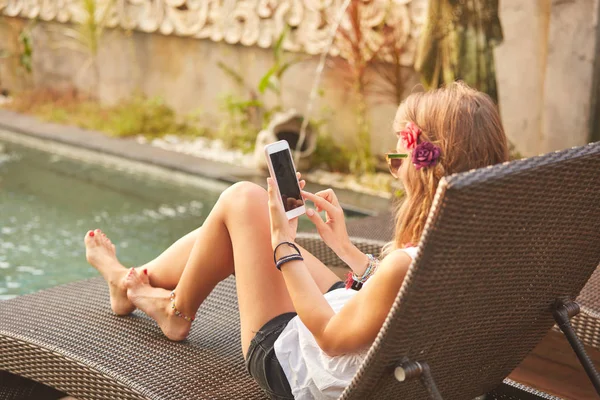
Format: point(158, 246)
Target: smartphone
point(281, 167)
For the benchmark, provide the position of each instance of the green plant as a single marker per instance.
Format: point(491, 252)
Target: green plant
point(272, 79)
point(457, 42)
point(86, 36)
point(138, 115)
point(354, 68)
point(26, 53)
point(245, 116)
point(330, 155)
point(151, 117)
point(23, 43)
point(3, 52)
point(239, 127)
point(513, 152)
point(387, 62)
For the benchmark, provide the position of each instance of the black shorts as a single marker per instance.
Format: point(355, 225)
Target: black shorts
point(262, 362)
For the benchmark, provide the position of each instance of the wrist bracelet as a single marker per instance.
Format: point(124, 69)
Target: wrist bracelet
point(290, 244)
point(356, 282)
point(283, 260)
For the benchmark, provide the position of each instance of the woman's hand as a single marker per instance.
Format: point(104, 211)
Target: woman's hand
point(333, 230)
point(282, 229)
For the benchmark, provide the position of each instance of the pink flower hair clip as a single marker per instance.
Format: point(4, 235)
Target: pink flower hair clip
point(410, 135)
point(424, 154)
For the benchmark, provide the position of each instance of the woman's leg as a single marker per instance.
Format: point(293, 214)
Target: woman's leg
point(101, 254)
point(166, 270)
point(239, 229)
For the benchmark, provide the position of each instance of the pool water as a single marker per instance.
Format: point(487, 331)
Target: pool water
point(48, 202)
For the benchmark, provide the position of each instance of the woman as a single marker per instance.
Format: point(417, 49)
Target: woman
point(303, 333)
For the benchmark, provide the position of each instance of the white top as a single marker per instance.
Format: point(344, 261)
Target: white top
point(312, 374)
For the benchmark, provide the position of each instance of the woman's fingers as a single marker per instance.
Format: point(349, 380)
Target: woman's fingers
point(274, 203)
point(329, 195)
point(315, 218)
point(301, 181)
point(320, 202)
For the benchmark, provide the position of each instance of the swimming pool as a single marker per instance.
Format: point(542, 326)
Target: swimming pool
point(48, 202)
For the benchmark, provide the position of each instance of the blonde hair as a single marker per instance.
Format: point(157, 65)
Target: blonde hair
point(466, 126)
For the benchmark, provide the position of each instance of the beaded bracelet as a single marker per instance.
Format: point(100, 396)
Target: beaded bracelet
point(356, 282)
point(177, 312)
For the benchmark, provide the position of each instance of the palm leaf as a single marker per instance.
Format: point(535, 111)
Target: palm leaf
point(236, 76)
point(265, 81)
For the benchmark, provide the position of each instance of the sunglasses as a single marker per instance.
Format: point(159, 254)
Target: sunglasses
point(394, 162)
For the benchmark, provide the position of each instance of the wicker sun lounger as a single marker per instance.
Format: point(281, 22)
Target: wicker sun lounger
point(376, 231)
point(501, 246)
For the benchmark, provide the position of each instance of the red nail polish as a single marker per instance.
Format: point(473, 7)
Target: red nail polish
point(91, 234)
point(146, 271)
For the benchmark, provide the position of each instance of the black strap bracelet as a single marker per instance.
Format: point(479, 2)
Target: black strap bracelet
point(283, 260)
point(290, 244)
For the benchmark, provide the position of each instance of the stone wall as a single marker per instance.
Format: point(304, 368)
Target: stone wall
point(185, 73)
point(545, 70)
point(171, 49)
point(12, 75)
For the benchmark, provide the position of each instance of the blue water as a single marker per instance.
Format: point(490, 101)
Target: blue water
point(48, 202)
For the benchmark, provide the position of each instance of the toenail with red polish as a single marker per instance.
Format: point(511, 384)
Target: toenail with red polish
point(146, 271)
point(91, 233)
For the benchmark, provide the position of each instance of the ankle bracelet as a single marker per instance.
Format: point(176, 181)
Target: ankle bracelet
point(177, 312)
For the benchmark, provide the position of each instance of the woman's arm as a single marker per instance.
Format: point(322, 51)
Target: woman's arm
point(310, 304)
point(353, 258)
point(308, 300)
point(359, 321)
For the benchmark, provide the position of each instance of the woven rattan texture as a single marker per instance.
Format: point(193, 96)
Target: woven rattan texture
point(501, 244)
point(379, 228)
point(587, 322)
point(315, 245)
point(68, 338)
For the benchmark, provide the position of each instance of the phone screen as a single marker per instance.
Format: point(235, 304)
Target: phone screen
point(286, 180)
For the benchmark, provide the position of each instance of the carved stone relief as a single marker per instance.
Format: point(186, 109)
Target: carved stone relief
point(246, 22)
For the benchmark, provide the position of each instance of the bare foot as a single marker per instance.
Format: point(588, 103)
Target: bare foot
point(101, 254)
point(156, 302)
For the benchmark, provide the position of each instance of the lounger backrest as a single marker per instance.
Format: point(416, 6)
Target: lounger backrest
point(500, 245)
